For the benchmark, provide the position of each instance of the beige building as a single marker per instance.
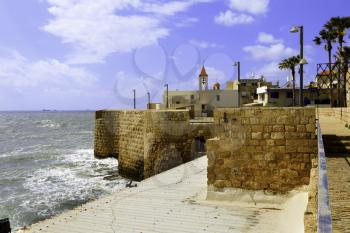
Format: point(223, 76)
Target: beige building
point(283, 97)
point(203, 101)
point(248, 88)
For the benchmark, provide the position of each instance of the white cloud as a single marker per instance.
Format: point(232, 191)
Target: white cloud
point(48, 83)
point(272, 72)
point(16, 71)
point(230, 18)
point(250, 6)
point(97, 29)
point(267, 38)
point(215, 75)
point(242, 12)
point(269, 52)
point(204, 44)
point(170, 8)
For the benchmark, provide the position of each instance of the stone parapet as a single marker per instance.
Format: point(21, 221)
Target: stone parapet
point(166, 139)
point(145, 142)
point(262, 148)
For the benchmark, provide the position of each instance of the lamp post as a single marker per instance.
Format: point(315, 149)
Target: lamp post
point(134, 91)
point(302, 61)
point(167, 95)
point(149, 100)
point(238, 64)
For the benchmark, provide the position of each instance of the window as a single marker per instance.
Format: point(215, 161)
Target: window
point(177, 102)
point(203, 106)
point(289, 94)
point(244, 84)
point(254, 84)
point(218, 98)
point(274, 95)
point(192, 97)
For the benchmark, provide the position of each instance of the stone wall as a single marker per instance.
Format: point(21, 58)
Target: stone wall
point(106, 140)
point(144, 142)
point(167, 141)
point(131, 143)
point(261, 148)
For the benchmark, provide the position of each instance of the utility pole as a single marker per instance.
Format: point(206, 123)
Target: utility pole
point(238, 64)
point(302, 62)
point(134, 98)
point(301, 96)
point(149, 100)
point(167, 96)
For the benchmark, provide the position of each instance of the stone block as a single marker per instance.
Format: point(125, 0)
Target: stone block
point(301, 128)
point(310, 128)
point(257, 135)
point(268, 128)
point(257, 128)
point(278, 128)
point(277, 135)
point(289, 128)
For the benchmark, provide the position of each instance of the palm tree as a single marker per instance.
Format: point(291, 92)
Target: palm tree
point(290, 64)
point(327, 36)
point(344, 66)
point(339, 25)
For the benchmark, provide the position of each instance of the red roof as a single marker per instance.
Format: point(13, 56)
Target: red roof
point(203, 72)
point(325, 72)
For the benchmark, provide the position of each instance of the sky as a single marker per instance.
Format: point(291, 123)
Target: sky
point(89, 54)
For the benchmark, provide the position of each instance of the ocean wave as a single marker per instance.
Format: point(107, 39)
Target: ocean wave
point(48, 124)
point(78, 178)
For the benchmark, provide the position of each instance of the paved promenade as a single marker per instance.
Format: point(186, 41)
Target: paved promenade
point(338, 171)
point(174, 201)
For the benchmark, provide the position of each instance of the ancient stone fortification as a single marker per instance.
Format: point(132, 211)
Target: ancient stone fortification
point(261, 148)
point(147, 142)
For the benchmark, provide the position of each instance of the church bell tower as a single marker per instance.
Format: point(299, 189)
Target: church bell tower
point(203, 80)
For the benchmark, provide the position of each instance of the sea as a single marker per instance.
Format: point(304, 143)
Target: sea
point(47, 165)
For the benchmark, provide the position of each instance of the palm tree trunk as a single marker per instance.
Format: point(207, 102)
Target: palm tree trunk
point(293, 79)
point(330, 75)
point(340, 76)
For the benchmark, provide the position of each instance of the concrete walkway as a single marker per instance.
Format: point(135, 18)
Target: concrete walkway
point(174, 201)
point(338, 171)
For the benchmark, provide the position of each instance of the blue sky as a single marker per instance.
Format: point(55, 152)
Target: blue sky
point(88, 54)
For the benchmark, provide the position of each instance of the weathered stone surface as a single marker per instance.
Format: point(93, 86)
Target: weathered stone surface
point(145, 142)
point(276, 156)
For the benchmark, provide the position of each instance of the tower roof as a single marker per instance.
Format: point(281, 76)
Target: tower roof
point(203, 72)
point(216, 86)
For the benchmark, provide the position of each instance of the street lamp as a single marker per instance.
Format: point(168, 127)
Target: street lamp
point(134, 98)
point(238, 64)
point(302, 62)
point(167, 95)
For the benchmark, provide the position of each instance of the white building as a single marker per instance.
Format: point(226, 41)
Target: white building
point(203, 101)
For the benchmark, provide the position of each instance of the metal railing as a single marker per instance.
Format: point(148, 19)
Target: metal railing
point(324, 217)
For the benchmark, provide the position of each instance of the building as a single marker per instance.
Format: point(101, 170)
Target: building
point(283, 97)
point(203, 101)
point(248, 88)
